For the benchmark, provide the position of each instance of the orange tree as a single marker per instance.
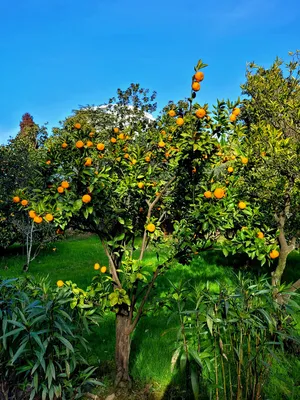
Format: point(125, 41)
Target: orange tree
point(113, 172)
point(268, 143)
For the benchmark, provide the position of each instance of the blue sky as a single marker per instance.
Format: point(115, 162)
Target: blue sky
point(58, 54)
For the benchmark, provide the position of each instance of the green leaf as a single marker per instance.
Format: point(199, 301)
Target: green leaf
point(20, 350)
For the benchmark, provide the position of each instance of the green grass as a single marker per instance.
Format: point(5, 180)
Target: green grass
point(154, 339)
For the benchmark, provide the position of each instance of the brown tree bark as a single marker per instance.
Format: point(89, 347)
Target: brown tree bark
point(123, 344)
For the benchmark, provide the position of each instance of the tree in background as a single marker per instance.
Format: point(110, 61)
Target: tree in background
point(270, 140)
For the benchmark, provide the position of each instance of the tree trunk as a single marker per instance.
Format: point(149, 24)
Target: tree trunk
point(122, 348)
point(277, 274)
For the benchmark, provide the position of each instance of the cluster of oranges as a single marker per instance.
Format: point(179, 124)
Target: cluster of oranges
point(24, 202)
point(198, 77)
point(64, 185)
point(102, 269)
point(219, 193)
point(235, 113)
point(38, 219)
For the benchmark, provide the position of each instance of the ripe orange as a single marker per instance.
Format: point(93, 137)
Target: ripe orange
point(49, 217)
point(179, 121)
point(77, 125)
point(88, 162)
point(113, 140)
point(200, 113)
point(232, 157)
point(100, 146)
point(96, 266)
point(60, 189)
point(133, 162)
point(172, 113)
point(91, 134)
point(208, 194)
point(236, 111)
point(38, 219)
point(16, 199)
point(147, 159)
point(260, 235)
point(86, 198)
point(24, 202)
point(126, 155)
point(89, 143)
point(161, 144)
point(141, 185)
point(163, 133)
point(219, 193)
point(64, 145)
point(232, 117)
point(274, 254)
point(103, 269)
point(230, 169)
point(242, 205)
point(79, 144)
point(60, 283)
point(263, 154)
point(244, 160)
point(65, 184)
point(199, 76)
point(150, 227)
point(48, 162)
point(116, 130)
point(121, 136)
point(196, 86)
point(32, 214)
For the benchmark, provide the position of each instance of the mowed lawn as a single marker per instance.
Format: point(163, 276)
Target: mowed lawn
point(155, 338)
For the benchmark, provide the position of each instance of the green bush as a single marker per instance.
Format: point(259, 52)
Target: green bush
point(231, 338)
point(41, 340)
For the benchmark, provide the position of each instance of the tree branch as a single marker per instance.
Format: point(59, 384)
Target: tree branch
point(145, 298)
point(151, 205)
point(112, 266)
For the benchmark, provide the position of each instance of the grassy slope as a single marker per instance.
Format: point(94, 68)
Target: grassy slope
point(154, 339)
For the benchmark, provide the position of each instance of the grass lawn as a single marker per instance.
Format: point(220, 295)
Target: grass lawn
point(155, 339)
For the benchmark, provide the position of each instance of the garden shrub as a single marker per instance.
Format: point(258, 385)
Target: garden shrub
point(42, 341)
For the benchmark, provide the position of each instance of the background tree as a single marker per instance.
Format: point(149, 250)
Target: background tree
point(270, 141)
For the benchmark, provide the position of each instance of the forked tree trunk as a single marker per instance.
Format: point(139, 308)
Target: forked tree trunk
point(122, 352)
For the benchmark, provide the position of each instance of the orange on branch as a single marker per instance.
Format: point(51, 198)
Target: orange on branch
point(100, 146)
point(199, 76)
point(86, 198)
point(200, 113)
point(116, 130)
point(77, 125)
point(64, 145)
point(260, 235)
point(150, 227)
point(179, 122)
point(48, 162)
point(24, 202)
point(32, 214)
point(113, 140)
point(172, 113)
point(96, 266)
point(161, 144)
point(274, 254)
point(232, 117)
point(103, 269)
point(65, 184)
point(196, 86)
point(121, 136)
point(242, 205)
point(147, 159)
point(37, 219)
point(141, 185)
point(208, 194)
point(79, 144)
point(219, 193)
point(91, 134)
point(89, 143)
point(16, 199)
point(244, 160)
point(60, 189)
point(236, 111)
point(230, 169)
point(49, 217)
point(60, 283)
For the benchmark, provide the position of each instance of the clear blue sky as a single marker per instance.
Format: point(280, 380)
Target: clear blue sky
point(58, 54)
